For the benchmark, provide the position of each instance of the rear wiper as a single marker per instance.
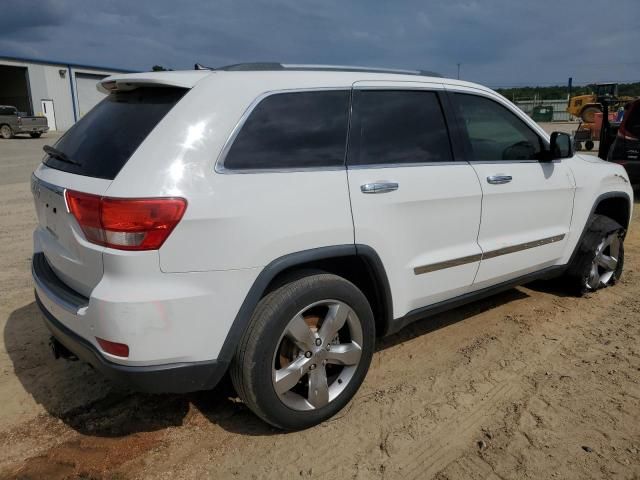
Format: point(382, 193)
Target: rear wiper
point(57, 154)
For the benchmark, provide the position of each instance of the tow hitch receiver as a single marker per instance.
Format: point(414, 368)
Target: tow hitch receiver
point(60, 351)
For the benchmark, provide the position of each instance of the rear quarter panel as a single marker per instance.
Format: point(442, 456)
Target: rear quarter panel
point(233, 221)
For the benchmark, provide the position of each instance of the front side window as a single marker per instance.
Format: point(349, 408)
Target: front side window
point(397, 127)
point(494, 132)
point(293, 130)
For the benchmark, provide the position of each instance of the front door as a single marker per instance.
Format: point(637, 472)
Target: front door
point(412, 201)
point(527, 203)
point(49, 112)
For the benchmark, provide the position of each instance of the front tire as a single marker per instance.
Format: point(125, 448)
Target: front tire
point(306, 351)
point(600, 258)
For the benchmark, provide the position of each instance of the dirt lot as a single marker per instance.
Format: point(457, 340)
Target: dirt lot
point(528, 384)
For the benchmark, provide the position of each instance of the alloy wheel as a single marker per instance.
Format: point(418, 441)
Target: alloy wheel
point(605, 261)
point(317, 355)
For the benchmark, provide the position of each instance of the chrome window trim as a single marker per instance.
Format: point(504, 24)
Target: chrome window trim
point(435, 87)
point(400, 165)
point(219, 165)
point(456, 262)
point(495, 162)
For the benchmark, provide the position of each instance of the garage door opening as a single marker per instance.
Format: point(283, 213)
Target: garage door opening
point(88, 94)
point(14, 88)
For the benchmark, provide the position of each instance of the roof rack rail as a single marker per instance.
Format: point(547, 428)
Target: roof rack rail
point(274, 66)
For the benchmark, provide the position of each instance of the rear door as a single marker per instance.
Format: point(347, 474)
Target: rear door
point(527, 203)
point(412, 201)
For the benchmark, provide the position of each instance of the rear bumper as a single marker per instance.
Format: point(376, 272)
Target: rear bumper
point(29, 129)
point(171, 378)
point(61, 307)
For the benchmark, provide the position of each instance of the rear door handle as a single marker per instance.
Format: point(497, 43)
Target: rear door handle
point(379, 187)
point(499, 179)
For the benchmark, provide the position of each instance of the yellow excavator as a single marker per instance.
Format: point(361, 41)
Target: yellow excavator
point(585, 107)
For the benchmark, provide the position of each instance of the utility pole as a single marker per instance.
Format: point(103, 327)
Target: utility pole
point(459, 70)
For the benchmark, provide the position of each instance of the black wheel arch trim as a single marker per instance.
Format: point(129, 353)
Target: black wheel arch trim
point(598, 201)
point(279, 265)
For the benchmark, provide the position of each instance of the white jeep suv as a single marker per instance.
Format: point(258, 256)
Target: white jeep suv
point(272, 220)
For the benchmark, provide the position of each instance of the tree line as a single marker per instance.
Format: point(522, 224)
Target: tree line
point(558, 92)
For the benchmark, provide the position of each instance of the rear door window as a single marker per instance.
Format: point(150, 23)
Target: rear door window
point(398, 127)
point(293, 130)
point(102, 142)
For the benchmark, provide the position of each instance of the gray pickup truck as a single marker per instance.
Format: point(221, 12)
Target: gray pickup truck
point(13, 123)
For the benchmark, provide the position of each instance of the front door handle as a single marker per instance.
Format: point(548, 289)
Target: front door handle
point(499, 179)
point(379, 187)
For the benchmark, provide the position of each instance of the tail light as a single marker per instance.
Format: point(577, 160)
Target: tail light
point(126, 223)
point(626, 134)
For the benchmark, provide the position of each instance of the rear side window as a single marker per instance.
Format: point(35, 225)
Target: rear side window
point(106, 137)
point(397, 127)
point(7, 111)
point(293, 130)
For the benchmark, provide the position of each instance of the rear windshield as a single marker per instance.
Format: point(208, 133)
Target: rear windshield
point(100, 144)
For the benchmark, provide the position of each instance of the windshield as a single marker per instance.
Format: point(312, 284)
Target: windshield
point(102, 142)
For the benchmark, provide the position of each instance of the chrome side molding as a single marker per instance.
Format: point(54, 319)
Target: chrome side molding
point(486, 255)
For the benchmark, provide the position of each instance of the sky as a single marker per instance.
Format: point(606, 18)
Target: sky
point(499, 43)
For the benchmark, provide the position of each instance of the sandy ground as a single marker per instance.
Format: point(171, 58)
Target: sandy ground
point(528, 384)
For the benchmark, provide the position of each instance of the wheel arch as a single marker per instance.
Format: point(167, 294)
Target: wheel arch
point(359, 264)
point(615, 205)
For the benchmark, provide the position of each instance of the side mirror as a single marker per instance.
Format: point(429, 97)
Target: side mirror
point(561, 145)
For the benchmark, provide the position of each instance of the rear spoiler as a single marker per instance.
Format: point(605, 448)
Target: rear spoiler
point(131, 81)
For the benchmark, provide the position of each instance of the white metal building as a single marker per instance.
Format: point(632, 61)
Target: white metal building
point(62, 92)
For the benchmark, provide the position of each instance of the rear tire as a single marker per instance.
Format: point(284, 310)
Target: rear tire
point(35, 135)
point(600, 257)
point(6, 132)
point(589, 145)
point(305, 352)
